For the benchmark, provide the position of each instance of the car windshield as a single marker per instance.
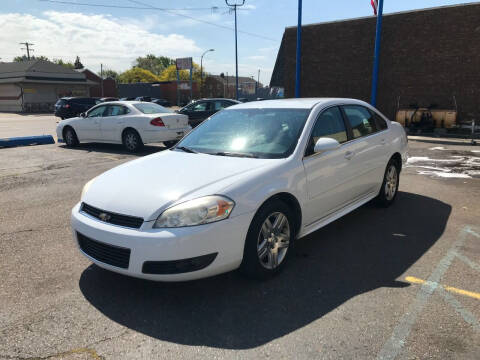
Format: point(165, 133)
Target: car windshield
point(263, 133)
point(151, 108)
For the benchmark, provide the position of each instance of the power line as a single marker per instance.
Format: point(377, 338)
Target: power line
point(203, 21)
point(145, 6)
point(126, 7)
point(27, 47)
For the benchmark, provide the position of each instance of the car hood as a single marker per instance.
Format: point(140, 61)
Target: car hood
point(146, 186)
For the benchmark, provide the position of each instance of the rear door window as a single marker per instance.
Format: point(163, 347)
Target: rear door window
point(380, 122)
point(360, 119)
point(116, 110)
point(151, 108)
point(219, 105)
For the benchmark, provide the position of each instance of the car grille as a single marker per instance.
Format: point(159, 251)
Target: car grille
point(108, 254)
point(112, 218)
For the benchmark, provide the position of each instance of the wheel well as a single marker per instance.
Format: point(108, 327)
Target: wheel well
point(398, 160)
point(130, 128)
point(65, 129)
point(293, 203)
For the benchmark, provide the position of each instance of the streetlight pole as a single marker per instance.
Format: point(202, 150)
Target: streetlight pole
point(235, 5)
point(201, 71)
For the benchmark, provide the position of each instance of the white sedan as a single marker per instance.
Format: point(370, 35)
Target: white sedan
point(131, 123)
point(240, 189)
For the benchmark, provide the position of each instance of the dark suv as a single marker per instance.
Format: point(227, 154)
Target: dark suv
point(199, 110)
point(68, 107)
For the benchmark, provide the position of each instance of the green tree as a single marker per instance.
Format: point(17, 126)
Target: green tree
point(67, 64)
point(170, 73)
point(108, 73)
point(136, 74)
point(155, 64)
point(24, 58)
point(78, 64)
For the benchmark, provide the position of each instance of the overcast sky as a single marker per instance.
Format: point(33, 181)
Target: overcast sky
point(116, 36)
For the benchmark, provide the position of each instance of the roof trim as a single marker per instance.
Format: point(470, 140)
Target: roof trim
point(476, 3)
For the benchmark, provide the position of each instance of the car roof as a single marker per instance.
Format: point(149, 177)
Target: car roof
point(217, 99)
point(294, 103)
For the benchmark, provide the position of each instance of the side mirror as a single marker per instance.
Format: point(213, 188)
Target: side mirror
point(325, 144)
point(83, 115)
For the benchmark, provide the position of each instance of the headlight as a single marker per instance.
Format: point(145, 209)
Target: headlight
point(196, 212)
point(85, 188)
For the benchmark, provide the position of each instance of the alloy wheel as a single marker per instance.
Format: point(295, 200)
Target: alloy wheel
point(131, 141)
point(391, 182)
point(273, 240)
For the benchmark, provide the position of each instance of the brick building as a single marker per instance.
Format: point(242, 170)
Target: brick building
point(429, 56)
point(216, 86)
point(109, 85)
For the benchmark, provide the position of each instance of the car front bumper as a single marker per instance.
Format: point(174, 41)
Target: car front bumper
point(225, 238)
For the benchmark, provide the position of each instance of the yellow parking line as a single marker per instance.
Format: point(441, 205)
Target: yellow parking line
point(471, 294)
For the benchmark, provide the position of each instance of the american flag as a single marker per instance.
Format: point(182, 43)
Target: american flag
point(374, 5)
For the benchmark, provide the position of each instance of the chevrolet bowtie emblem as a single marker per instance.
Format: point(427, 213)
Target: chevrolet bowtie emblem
point(104, 217)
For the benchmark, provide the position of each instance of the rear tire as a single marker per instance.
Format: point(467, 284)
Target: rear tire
point(70, 137)
point(391, 180)
point(269, 241)
point(132, 140)
point(171, 143)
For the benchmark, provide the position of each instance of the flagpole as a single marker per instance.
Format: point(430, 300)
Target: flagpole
point(299, 51)
point(376, 56)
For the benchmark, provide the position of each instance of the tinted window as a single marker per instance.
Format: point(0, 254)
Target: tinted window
point(330, 125)
point(265, 133)
point(116, 110)
point(380, 123)
point(98, 111)
point(151, 108)
point(219, 105)
point(227, 104)
point(361, 120)
point(202, 106)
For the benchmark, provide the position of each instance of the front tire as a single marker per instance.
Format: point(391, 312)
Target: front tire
point(131, 140)
point(269, 241)
point(391, 180)
point(70, 137)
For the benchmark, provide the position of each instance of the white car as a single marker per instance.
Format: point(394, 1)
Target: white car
point(131, 123)
point(240, 189)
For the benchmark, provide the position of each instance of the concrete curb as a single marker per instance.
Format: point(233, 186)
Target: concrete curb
point(27, 140)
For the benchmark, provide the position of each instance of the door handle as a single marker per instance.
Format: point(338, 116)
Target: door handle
point(383, 141)
point(349, 155)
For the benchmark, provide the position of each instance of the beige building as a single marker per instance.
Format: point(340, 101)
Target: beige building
point(35, 85)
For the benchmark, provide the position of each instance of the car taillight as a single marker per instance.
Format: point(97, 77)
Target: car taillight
point(66, 106)
point(157, 122)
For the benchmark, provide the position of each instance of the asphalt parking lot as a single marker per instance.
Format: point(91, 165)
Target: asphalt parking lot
point(389, 283)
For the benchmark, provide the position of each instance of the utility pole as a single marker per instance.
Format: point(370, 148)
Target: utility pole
point(258, 83)
point(201, 71)
point(298, 69)
point(101, 76)
point(228, 89)
point(234, 6)
point(27, 47)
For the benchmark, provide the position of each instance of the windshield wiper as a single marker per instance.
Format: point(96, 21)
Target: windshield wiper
point(227, 153)
point(186, 149)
